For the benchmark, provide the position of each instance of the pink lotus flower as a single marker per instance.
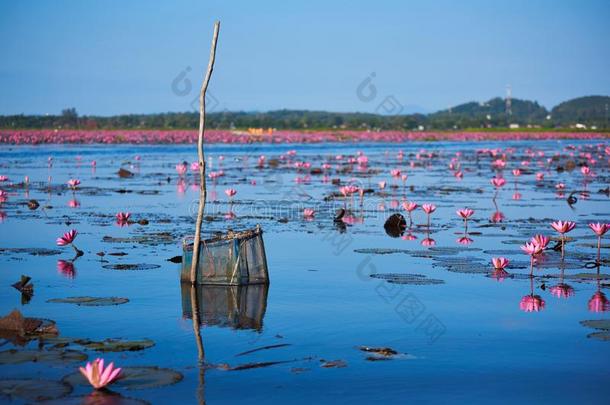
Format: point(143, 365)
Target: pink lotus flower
point(409, 206)
point(458, 174)
point(97, 375)
point(563, 227)
point(599, 303)
point(541, 241)
point(73, 183)
point(395, 173)
point(382, 184)
point(428, 208)
point(308, 213)
point(517, 196)
point(348, 190)
point(181, 169)
point(67, 238)
point(3, 178)
point(531, 303)
point(465, 213)
point(230, 192)
point(516, 172)
point(497, 217)
point(585, 170)
point(531, 248)
point(560, 186)
point(599, 229)
point(539, 176)
point(122, 218)
point(195, 166)
point(498, 182)
point(500, 262)
point(562, 291)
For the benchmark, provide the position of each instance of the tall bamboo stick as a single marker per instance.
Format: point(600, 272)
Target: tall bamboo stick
point(202, 191)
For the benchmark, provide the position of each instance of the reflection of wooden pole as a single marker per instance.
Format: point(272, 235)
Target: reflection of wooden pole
point(202, 191)
point(199, 341)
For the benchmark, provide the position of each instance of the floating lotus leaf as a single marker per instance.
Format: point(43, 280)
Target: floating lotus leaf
point(412, 279)
point(380, 251)
point(597, 323)
point(125, 266)
point(116, 345)
point(33, 390)
point(13, 356)
point(587, 276)
point(134, 378)
point(90, 301)
point(31, 251)
point(605, 336)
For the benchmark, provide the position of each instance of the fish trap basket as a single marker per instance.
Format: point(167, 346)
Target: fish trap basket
point(232, 306)
point(235, 258)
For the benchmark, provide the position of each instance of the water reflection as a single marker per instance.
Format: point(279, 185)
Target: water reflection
point(236, 307)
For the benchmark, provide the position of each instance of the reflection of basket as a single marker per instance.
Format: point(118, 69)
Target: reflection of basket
point(234, 259)
point(234, 306)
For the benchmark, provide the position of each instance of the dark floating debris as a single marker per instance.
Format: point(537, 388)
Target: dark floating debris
point(333, 364)
point(33, 204)
point(249, 366)
point(125, 266)
point(395, 225)
point(134, 378)
point(19, 329)
point(175, 259)
point(382, 351)
point(263, 348)
point(411, 279)
point(33, 390)
point(90, 301)
point(25, 288)
point(124, 173)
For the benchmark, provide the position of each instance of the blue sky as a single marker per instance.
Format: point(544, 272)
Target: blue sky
point(115, 57)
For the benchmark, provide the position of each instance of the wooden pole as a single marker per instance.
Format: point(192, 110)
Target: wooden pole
point(202, 191)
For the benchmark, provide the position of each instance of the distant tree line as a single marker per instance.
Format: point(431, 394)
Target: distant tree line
point(591, 112)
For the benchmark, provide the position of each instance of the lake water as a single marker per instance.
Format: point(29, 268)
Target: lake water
point(459, 331)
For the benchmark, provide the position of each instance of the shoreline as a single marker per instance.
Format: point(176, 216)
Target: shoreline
point(37, 137)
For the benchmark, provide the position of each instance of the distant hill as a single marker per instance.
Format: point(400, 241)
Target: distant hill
point(590, 110)
point(491, 113)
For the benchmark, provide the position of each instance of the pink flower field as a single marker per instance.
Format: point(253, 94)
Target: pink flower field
point(33, 137)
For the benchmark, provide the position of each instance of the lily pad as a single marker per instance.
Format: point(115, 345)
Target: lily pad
point(33, 390)
point(605, 336)
point(411, 279)
point(90, 301)
point(31, 251)
point(116, 345)
point(380, 251)
point(125, 266)
point(135, 378)
point(13, 356)
point(597, 323)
